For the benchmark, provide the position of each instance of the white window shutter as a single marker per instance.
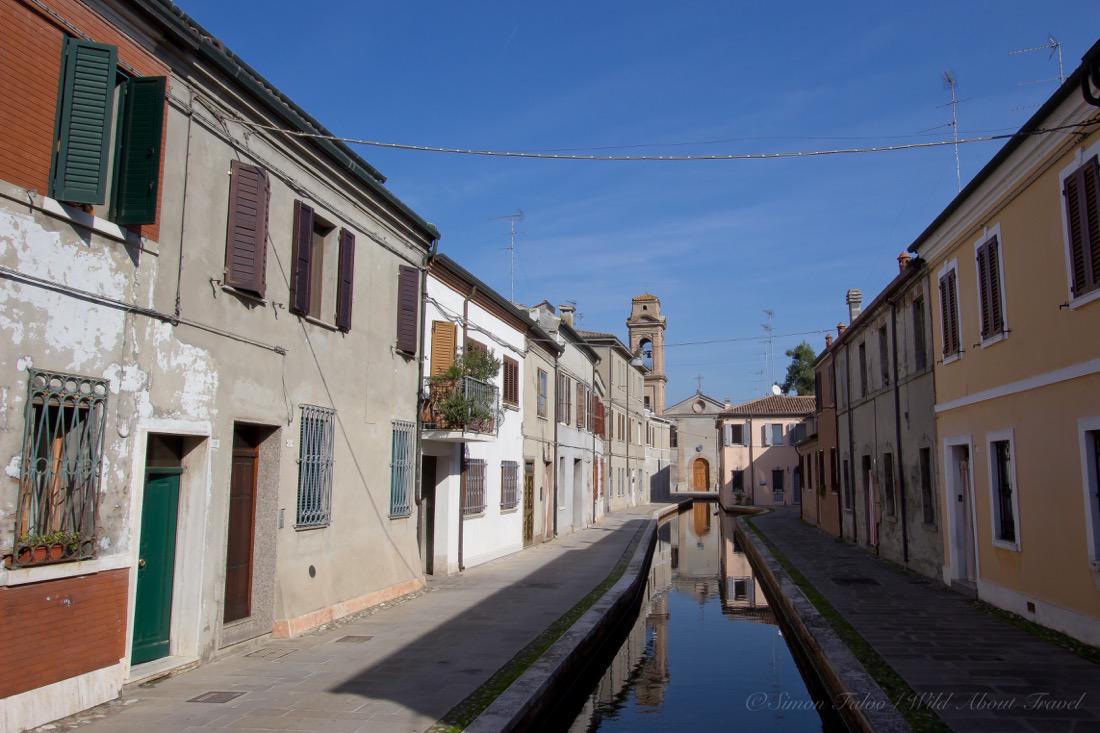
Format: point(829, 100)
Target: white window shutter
point(727, 435)
point(745, 436)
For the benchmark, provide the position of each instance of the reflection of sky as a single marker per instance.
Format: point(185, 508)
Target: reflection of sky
point(715, 661)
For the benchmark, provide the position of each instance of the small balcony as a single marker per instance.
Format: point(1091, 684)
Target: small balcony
point(463, 410)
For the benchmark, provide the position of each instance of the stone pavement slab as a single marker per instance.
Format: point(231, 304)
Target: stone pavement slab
point(423, 656)
point(989, 674)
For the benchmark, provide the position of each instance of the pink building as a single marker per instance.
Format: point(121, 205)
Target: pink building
point(758, 458)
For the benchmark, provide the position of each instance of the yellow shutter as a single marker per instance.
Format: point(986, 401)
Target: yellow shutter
point(443, 346)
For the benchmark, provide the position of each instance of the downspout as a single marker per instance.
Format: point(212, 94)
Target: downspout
point(851, 443)
point(897, 429)
point(836, 435)
point(183, 209)
point(462, 449)
point(421, 400)
point(557, 421)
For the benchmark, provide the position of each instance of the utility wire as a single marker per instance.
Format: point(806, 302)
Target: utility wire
point(663, 158)
point(749, 338)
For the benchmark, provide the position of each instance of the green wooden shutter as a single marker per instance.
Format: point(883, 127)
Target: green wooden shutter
point(138, 169)
point(84, 108)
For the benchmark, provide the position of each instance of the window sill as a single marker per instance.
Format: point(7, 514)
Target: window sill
point(310, 527)
point(509, 509)
point(246, 295)
point(58, 570)
point(509, 406)
point(1083, 300)
point(318, 322)
point(543, 417)
point(81, 218)
point(995, 339)
point(405, 515)
point(1011, 546)
point(474, 515)
point(952, 358)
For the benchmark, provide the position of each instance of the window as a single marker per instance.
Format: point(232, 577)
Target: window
point(401, 468)
point(315, 466)
point(777, 486)
point(314, 270)
point(581, 405)
point(673, 437)
point(835, 483)
point(949, 312)
point(542, 399)
point(61, 463)
point(473, 487)
point(927, 498)
point(737, 434)
point(920, 347)
point(847, 478)
point(830, 382)
point(646, 399)
point(863, 369)
point(737, 481)
point(509, 484)
point(990, 288)
point(888, 483)
point(1090, 445)
point(1002, 481)
point(511, 381)
point(777, 433)
point(821, 472)
point(444, 343)
point(884, 355)
point(563, 401)
point(94, 152)
point(246, 236)
point(1081, 192)
point(408, 308)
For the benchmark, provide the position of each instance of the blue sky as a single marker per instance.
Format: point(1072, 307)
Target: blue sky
point(717, 241)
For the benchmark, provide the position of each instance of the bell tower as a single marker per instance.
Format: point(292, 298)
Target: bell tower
point(646, 327)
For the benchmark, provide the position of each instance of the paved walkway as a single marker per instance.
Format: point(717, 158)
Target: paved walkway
point(397, 669)
point(968, 662)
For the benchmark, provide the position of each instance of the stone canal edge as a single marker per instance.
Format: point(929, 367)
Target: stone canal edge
point(528, 698)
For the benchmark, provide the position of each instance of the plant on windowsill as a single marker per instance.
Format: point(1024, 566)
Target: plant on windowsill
point(50, 547)
point(452, 406)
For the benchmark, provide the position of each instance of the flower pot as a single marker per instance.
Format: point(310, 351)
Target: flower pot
point(40, 553)
point(23, 556)
point(56, 551)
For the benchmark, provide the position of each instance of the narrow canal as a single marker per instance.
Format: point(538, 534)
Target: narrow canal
point(706, 651)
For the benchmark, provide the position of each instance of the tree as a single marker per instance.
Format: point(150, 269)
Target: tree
point(800, 372)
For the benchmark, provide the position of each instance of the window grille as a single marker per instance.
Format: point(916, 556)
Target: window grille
point(475, 487)
point(401, 468)
point(61, 462)
point(509, 483)
point(315, 466)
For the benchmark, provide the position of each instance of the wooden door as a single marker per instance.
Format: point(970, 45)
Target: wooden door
point(427, 511)
point(528, 503)
point(700, 475)
point(156, 566)
point(240, 538)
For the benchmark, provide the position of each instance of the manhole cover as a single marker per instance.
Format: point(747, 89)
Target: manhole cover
point(216, 697)
point(353, 639)
point(847, 580)
point(270, 652)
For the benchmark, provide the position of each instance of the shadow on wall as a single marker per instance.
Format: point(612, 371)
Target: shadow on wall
point(660, 485)
point(480, 639)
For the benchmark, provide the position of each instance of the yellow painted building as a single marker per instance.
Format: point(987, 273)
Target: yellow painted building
point(1014, 278)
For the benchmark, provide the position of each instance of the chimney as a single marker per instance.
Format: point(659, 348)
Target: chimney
point(828, 340)
point(840, 329)
point(567, 312)
point(903, 261)
point(727, 405)
point(855, 304)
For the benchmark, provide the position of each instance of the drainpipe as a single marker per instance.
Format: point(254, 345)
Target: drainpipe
point(183, 209)
point(420, 397)
point(836, 435)
point(462, 451)
point(897, 432)
point(557, 421)
point(851, 443)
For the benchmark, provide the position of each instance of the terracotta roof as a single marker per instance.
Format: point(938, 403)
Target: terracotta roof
point(774, 405)
point(596, 334)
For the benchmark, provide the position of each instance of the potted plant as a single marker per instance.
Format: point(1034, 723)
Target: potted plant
point(451, 406)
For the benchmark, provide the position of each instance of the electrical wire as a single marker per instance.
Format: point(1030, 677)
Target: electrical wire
point(662, 158)
point(749, 338)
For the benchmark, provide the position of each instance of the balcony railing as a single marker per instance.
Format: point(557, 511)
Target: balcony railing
point(465, 404)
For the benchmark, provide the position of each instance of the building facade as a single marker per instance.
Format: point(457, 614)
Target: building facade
point(758, 457)
point(173, 338)
point(1013, 279)
point(694, 443)
point(539, 432)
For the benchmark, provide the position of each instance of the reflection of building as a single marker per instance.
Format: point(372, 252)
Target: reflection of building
point(741, 591)
point(698, 543)
point(649, 688)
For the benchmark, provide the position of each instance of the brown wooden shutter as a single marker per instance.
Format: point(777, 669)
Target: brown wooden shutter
point(302, 259)
point(950, 316)
point(984, 299)
point(444, 341)
point(993, 265)
point(246, 235)
point(511, 381)
point(1082, 194)
point(345, 285)
point(408, 292)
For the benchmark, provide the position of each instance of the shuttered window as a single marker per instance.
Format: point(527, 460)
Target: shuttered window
point(888, 483)
point(401, 468)
point(246, 236)
point(737, 434)
point(920, 345)
point(928, 500)
point(345, 280)
point(511, 381)
point(543, 385)
point(301, 279)
point(137, 169)
point(580, 406)
point(509, 484)
point(315, 441)
point(408, 308)
point(473, 486)
point(949, 311)
point(564, 399)
point(884, 355)
point(863, 369)
point(444, 340)
point(989, 288)
point(1081, 191)
point(79, 170)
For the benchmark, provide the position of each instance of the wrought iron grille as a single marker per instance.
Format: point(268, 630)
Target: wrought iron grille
point(401, 468)
point(475, 487)
point(315, 466)
point(463, 404)
point(509, 484)
point(61, 464)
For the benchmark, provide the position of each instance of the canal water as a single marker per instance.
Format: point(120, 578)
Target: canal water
point(706, 651)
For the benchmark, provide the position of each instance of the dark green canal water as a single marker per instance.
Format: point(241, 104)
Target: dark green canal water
point(706, 652)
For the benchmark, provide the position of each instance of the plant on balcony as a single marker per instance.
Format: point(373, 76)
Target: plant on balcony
point(450, 404)
point(48, 547)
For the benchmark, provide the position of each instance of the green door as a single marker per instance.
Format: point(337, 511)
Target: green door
point(156, 564)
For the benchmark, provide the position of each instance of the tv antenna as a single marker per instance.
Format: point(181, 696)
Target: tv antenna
point(769, 350)
point(952, 82)
point(512, 219)
point(1055, 47)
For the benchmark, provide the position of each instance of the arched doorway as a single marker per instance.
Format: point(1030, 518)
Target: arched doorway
point(700, 475)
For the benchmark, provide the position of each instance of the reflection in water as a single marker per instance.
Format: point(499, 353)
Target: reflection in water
point(705, 647)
